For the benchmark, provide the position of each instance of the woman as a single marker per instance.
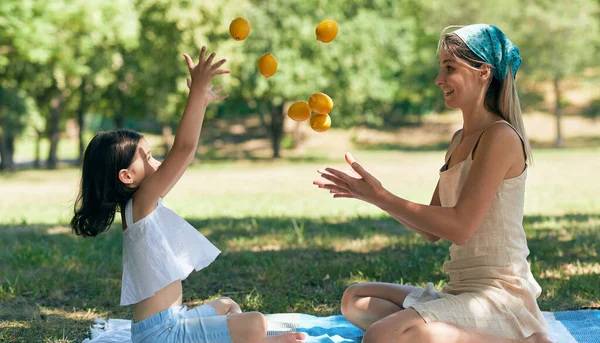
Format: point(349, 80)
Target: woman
point(477, 205)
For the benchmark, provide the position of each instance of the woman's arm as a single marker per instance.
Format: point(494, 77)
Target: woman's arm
point(499, 149)
point(435, 201)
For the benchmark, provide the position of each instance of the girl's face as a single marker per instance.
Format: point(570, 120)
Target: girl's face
point(459, 83)
point(143, 165)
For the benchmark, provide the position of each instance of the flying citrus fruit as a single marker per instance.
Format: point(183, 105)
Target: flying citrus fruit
point(299, 111)
point(320, 122)
point(320, 103)
point(239, 29)
point(326, 31)
point(267, 65)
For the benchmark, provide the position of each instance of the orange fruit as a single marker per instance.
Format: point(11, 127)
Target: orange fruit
point(267, 65)
point(299, 111)
point(239, 28)
point(326, 31)
point(320, 103)
point(320, 122)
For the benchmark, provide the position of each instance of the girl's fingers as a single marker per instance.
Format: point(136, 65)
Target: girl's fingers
point(222, 71)
point(219, 64)
point(189, 61)
point(210, 58)
point(202, 52)
point(218, 90)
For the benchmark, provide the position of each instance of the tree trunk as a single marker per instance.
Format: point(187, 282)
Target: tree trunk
point(38, 143)
point(10, 157)
point(2, 144)
point(276, 129)
point(56, 105)
point(168, 139)
point(1, 154)
point(120, 114)
point(120, 120)
point(7, 151)
point(7, 147)
point(558, 143)
point(80, 114)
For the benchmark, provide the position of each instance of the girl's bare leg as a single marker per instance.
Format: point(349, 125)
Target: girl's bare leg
point(251, 327)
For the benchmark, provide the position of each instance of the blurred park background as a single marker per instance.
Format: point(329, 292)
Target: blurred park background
point(70, 68)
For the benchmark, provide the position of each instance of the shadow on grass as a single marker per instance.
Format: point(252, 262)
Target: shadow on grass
point(271, 265)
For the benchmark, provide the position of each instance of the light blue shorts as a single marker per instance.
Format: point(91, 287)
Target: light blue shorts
point(178, 325)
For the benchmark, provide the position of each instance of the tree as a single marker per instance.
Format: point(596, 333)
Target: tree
point(366, 69)
point(12, 123)
point(559, 41)
point(57, 40)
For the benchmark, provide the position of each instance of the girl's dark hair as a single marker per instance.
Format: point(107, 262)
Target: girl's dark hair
point(456, 48)
point(102, 194)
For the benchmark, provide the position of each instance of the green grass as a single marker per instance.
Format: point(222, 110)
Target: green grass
point(287, 246)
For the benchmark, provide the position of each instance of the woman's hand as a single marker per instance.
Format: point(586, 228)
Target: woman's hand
point(358, 183)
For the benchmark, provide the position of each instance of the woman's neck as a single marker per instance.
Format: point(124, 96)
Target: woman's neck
point(477, 119)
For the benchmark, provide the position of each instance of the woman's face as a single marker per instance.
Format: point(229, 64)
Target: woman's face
point(458, 82)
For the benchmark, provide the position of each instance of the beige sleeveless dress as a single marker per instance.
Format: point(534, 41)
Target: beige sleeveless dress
point(491, 287)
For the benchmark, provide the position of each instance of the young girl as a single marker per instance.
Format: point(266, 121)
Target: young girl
point(477, 205)
point(160, 248)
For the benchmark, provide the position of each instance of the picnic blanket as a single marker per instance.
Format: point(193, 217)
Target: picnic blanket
point(565, 327)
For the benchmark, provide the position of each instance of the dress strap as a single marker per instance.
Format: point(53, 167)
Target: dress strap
point(492, 124)
point(128, 213)
point(454, 142)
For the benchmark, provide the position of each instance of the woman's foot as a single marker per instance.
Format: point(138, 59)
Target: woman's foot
point(538, 337)
point(291, 337)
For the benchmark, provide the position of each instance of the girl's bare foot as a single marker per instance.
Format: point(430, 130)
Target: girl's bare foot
point(291, 337)
point(538, 337)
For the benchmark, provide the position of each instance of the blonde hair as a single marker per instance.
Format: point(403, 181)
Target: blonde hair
point(501, 96)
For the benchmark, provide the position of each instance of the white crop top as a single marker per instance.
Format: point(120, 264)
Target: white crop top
point(159, 249)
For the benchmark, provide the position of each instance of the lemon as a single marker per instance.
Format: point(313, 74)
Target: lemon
point(326, 31)
point(299, 111)
point(267, 65)
point(320, 122)
point(239, 28)
point(320, 103)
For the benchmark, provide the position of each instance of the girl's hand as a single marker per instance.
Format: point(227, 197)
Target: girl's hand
point(211, 95)
point(205, 70)
point(225, 305)
point(358, 184)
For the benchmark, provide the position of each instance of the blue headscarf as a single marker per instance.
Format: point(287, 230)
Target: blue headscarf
point(492, 46)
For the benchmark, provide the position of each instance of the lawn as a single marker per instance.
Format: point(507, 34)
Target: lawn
point(287, 246)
